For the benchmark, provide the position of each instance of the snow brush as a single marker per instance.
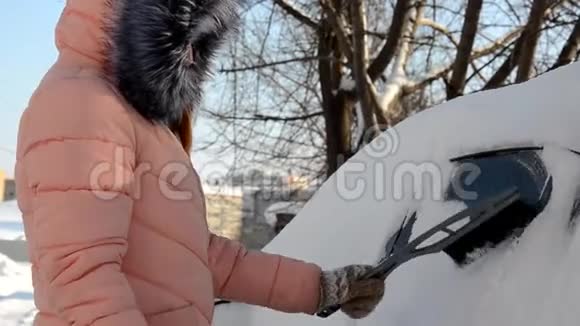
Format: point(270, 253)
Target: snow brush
point(399, 250)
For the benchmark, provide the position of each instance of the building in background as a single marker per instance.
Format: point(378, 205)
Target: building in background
point(298, 182)
point(252, 212)
point(7, 187)
point(254, 209)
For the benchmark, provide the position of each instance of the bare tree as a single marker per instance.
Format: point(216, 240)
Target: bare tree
point(570, 50)
point(531, 33)
point(307, 83)
point(464, 48)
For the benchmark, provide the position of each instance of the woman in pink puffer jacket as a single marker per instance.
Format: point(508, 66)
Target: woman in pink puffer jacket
point(113, 210)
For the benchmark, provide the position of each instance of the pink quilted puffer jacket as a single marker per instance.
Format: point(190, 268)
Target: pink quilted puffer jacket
point(113, 209)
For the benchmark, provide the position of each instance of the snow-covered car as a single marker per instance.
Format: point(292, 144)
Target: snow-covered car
point(519, 268)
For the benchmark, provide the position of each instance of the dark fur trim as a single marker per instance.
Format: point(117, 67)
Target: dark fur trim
point(162, 51)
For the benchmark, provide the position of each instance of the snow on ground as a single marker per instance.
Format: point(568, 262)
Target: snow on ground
point(10, 221)
point(16, 294)
point(533, 281)
point(17, 312)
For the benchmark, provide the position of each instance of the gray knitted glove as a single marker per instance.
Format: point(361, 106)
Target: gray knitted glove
point(358, 298)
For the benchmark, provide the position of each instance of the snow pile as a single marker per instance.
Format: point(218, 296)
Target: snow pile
point(8, 268)
point(7, 208)
point(16, 298)
point(16, 292)
point(532, 281)
point(347, 83)
point(288, 207)
point(11, 227)
point(17, 312)
point(14, 277)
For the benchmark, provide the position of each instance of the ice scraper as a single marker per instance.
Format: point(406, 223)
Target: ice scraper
point(399, 249)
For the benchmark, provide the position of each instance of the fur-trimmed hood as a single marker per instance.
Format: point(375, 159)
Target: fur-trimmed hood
point(157, 52)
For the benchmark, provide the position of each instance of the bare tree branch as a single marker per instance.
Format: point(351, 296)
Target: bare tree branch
point(275, 118)
point(378, 66)
point(457, 83)
point(507, 67)
point(296, 13)
point(570, 49)
point(360, 59)
point(439, 28)
point(476, 54)
point(273, 64)
point(511, 61)
point(264, 117)
point(412, 87)
point(297, 79)
point(396, 80)
point(339, 29)
point(376, 103)
point(497, 44)
point(528, 47)
point(336, 107)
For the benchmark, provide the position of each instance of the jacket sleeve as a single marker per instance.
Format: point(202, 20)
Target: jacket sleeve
point(263, 279)
point(76, 157)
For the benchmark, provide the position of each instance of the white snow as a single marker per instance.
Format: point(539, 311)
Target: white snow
point(347, 83)
point(360, 126)
point(289, 207)
point(14, 277)
point(16, 293)
point(397, 77)
point(10, 221)
point(533, 281)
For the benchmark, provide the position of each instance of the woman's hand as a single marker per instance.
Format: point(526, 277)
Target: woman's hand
point(344, 286)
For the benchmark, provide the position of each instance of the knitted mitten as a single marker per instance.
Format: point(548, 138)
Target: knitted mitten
point(358, 298)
